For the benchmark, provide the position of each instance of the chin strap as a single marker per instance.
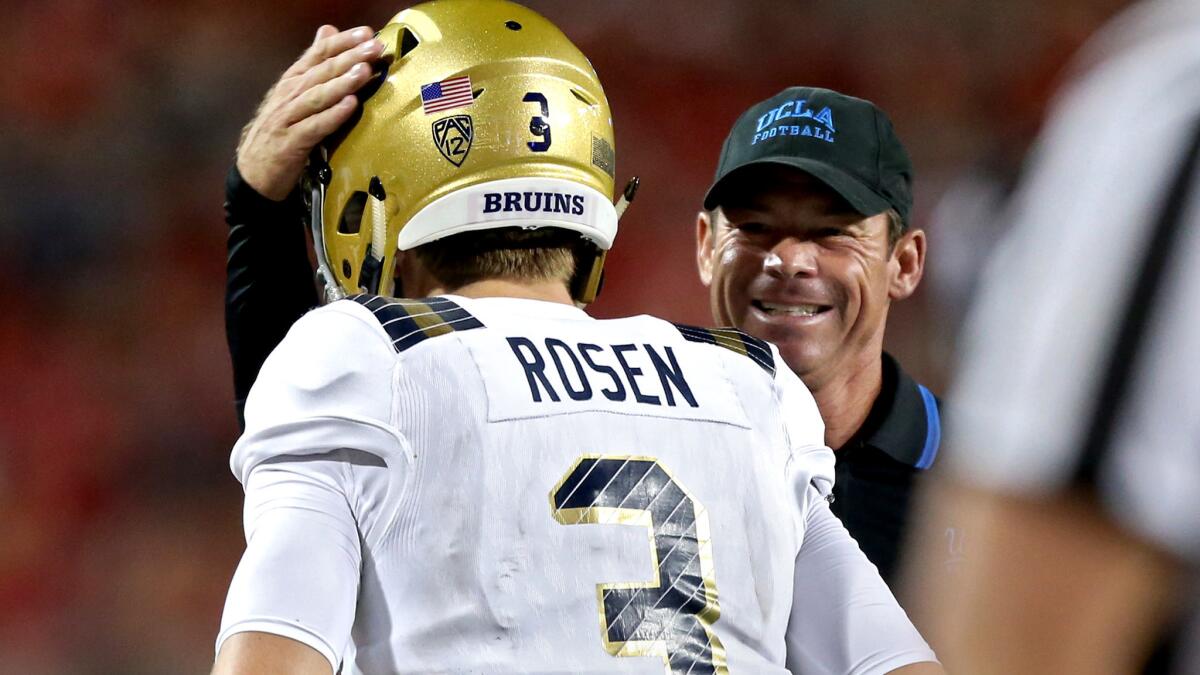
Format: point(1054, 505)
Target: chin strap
point(370, 277)
point(317, 176)
point(587, 283)
point(627, 195)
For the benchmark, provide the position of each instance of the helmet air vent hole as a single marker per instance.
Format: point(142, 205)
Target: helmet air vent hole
point(408, 42)
point(379, 73)
point(346, 268)
point(582, 97)
point(352, 214)
point(376, 189)
point(512, 25)
point(477, 93)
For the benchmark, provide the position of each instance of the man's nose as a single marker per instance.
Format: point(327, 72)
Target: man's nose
point(792, 257)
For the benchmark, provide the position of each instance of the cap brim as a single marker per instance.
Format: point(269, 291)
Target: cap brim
point(859, 196)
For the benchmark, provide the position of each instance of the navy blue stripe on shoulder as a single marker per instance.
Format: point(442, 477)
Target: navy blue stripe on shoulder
point(409, 322)
point(734, 340)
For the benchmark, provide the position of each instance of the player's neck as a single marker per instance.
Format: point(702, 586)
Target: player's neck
point(845, 402)
point(545, 290)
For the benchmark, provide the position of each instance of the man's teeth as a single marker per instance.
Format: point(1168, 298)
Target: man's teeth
point(791, 310)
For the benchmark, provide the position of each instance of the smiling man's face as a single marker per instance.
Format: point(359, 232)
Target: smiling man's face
point(786, 259)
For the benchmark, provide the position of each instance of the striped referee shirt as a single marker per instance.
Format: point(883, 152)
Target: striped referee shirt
point(1083, 352)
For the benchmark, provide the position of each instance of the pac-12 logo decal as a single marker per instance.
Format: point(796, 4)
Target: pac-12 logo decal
point(453, 136)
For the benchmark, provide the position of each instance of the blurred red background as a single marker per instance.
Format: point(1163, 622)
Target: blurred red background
point(119, 118)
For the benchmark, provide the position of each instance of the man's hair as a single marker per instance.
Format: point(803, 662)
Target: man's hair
point(544, 254)
point(896, 227)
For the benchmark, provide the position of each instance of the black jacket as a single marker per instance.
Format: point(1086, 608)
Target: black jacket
point(879, 467)
point(269, 281)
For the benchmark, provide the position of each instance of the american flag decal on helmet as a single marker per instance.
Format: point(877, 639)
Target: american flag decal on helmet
point(452, 93)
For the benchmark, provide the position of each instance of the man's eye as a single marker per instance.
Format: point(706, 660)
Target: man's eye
point(751, 228)
point(827, 232)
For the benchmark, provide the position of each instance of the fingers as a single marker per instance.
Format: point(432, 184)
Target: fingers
point(322, 96)
point(339, 65)
point(328, 44)
point(308, 103)
point(314, 128)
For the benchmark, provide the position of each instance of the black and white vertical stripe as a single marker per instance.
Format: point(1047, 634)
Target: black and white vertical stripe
point(1126, 354)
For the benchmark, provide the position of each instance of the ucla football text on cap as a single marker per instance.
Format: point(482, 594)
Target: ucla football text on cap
point(795, 109)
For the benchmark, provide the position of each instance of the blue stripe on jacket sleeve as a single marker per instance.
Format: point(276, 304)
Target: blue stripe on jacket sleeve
point(933, 429)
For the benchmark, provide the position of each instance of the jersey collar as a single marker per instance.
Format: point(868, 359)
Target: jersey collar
point(905, 420)
point(522, 306)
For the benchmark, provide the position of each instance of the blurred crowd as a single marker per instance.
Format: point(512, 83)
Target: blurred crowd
point(119, 118)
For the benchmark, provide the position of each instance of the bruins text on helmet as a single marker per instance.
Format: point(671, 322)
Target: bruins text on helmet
point(482, 115)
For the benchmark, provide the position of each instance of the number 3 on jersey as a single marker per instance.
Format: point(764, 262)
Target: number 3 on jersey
point(672, 615)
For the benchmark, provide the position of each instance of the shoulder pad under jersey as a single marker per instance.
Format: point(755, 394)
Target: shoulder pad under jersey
point(734, 340)
point(409, 322)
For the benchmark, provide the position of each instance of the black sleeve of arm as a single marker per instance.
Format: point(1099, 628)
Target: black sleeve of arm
point(269, 280)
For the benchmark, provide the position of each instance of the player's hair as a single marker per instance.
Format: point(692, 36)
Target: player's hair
point(514, 253)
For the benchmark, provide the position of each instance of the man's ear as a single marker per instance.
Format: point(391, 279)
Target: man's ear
point(705, 237)
point(908, 258)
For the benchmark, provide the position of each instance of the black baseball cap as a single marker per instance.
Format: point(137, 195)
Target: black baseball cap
point(845, 142)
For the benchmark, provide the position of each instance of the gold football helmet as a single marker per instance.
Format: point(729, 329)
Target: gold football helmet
point(481, 115)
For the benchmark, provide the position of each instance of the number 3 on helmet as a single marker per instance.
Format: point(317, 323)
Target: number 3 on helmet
point(482, 115)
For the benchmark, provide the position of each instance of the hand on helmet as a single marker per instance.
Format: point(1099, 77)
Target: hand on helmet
point(310, 101)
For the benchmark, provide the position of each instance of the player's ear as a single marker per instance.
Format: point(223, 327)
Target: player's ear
point(704, 246)
point(397, 276)
point(413, 279)
point(907, 264)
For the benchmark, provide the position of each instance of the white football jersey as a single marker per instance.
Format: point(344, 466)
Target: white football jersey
point(510, 486)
